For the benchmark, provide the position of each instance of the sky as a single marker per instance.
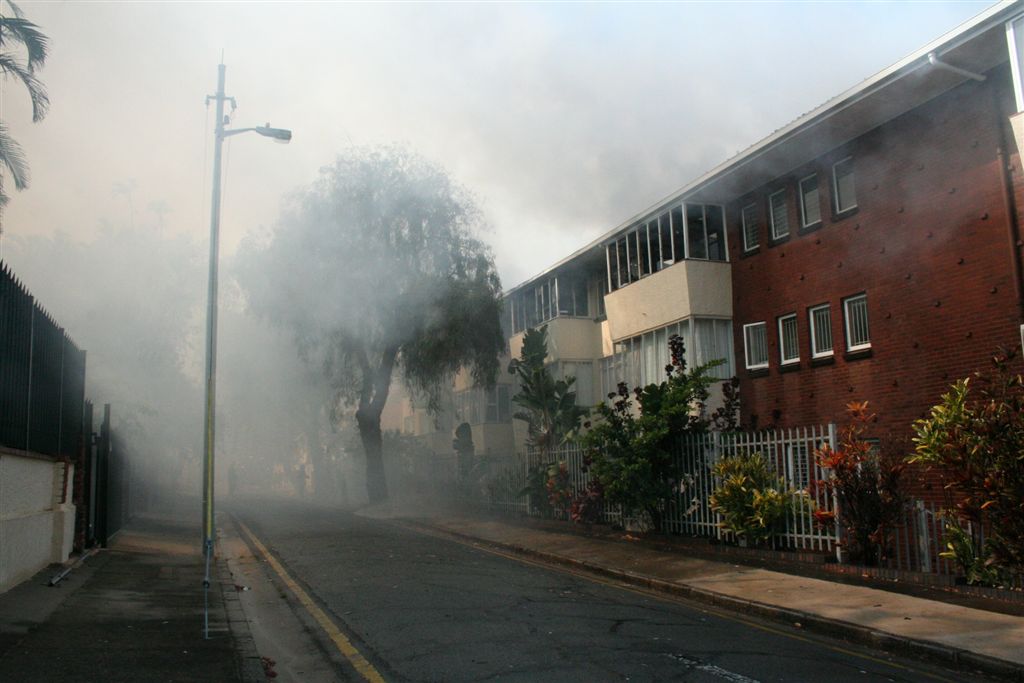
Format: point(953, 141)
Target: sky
point(564, 119)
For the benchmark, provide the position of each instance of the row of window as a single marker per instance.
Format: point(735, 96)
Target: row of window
point(641, 360)
point(561, 296)
point(478, 405)
point(695, 231)
point(844, 198)
point(819, 320)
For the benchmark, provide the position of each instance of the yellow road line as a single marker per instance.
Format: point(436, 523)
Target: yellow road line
point(664, 597)
point(344, 645)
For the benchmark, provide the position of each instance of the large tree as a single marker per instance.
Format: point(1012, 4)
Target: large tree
point(23, 50)
point(376, 268)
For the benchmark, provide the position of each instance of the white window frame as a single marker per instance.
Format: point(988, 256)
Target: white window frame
point(771, 214)
point(835, 187)
point(743, 218)
point(846, 322)
point(803, 198)
point(815, 353)
point(746, 346)
point(782, 341)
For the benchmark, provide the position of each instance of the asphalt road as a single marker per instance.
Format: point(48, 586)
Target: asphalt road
point(420, 607)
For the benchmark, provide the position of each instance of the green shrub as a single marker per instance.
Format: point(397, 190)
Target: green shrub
point(630, 455)
point(752, 500)
point(975, 438)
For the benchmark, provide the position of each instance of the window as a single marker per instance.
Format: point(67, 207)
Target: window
point(678, 242)
point(755, 341)
point(641, 360)
point(779, 215)
point(843, 186)
point(751, 228)
point(821, 331)
point(855, 315)
point(705, 232)
point(810, 204)
point(666, 239)
point(789, 347)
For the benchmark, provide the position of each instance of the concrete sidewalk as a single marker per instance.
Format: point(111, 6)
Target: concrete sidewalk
point(960, 636)
point(131, 612)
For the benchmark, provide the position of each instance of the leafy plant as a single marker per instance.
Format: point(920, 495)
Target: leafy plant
point(630, 451)
point(548, 404)
point(548, 488)
point(867, 488)
point(976, 562)
point(588, 504)
point(752, 500)
point(975, 439)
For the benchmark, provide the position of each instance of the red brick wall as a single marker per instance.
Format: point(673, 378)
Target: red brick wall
point(928, 244)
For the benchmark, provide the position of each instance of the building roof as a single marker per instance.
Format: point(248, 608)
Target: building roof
point(977, 45)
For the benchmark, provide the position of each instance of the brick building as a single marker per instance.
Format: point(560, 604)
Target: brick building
point(870, 250)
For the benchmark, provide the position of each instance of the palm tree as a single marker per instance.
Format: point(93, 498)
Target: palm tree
point(23, 50)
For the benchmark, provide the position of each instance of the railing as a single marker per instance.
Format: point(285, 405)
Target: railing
point(915, 543)
point(789, 452)
point(42, 376)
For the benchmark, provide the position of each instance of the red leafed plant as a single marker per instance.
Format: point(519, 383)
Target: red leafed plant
point(866, 485)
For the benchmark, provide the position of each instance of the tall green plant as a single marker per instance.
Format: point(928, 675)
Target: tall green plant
point(548, 404)
point(975, 439)
point(630, 451)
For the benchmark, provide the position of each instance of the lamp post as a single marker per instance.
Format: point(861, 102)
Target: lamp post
point(220, 132)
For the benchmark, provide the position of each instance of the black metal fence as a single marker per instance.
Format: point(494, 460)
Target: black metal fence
point(42, 377)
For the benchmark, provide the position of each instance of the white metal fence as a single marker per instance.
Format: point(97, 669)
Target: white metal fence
point(789, 452)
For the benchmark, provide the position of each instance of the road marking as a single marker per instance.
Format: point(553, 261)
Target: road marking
point(718, 671)
point(658, 595)
point(344, 645)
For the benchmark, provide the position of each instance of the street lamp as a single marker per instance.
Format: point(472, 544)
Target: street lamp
point(278, 135)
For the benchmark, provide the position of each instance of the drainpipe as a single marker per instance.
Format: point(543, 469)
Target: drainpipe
point(1012, 230)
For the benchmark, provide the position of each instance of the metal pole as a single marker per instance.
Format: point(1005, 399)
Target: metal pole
point(211, 341)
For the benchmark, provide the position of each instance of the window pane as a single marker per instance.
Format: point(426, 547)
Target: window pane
point(666, 240)
point(857, 335)
point(716, 232)
point(695, 231)
point(634, 264)
point(779, 215)
point(756, 343)
point(654, 239)
point(846, 197)
point(809, 203)
point(751, 226)
point(581, 301)
point(678, 243)
point(643, 250)
point(504, 404)
point(789, 348)
point(602, 291)
point(821, 331)
point(711, 343)
point(623, 262)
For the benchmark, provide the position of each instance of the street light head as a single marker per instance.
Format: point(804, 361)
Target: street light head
point(277, 134)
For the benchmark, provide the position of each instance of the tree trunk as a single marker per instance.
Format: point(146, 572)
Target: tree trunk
point(369, 433)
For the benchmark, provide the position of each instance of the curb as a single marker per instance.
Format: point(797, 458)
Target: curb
point(922, 649)
point(247, 657)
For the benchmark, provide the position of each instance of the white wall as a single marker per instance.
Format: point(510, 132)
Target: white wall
point(35, 528)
